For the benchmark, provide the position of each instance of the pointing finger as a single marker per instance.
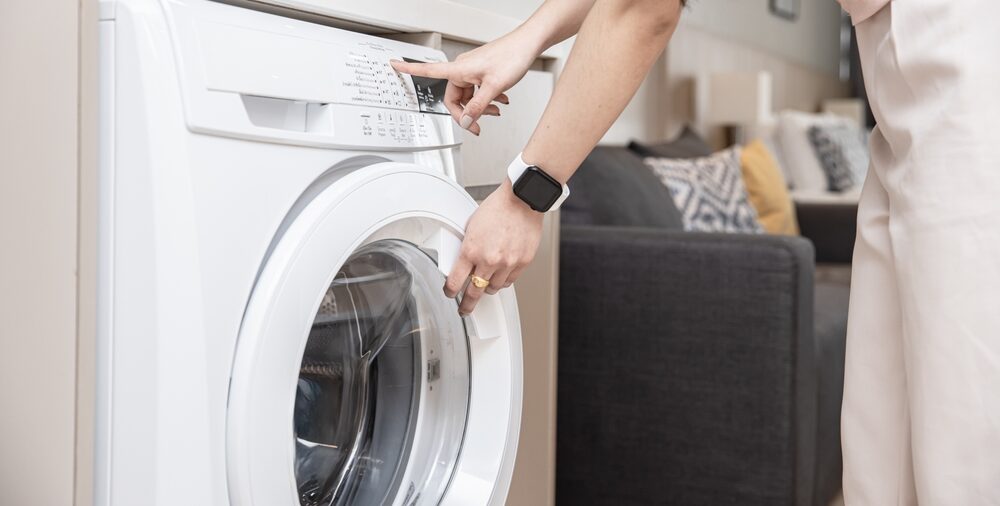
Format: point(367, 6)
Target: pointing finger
point(432, 70)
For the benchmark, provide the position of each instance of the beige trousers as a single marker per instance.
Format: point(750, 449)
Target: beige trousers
point(921, 415)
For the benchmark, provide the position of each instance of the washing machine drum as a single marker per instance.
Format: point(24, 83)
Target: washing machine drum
point(361, 391)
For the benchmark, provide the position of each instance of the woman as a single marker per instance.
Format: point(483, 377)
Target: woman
point(921, 420)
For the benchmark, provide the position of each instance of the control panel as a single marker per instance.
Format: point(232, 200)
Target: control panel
point(255, 75)
point(397, 107)
point(368, 79)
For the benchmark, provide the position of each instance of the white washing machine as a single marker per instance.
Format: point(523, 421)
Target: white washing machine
point(278, 209)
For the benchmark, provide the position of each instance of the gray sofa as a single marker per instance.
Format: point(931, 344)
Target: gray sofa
point(693, 368)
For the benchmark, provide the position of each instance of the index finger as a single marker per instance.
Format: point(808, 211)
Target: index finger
point(432, 70)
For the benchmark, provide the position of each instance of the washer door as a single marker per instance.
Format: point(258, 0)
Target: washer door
point(384, 349)
point(355, 381)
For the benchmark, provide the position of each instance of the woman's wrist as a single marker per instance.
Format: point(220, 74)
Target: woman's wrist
point(550, 25)
point(554, 22)
point(534, 154)
point(533, 36)
point(512, 201)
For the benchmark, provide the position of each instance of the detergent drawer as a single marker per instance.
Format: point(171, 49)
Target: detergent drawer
point(260, 76)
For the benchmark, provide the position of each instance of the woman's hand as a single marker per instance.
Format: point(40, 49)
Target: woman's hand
point(501, 239)
point(479, 77)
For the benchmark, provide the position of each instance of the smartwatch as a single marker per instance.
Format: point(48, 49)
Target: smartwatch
point(536, 188)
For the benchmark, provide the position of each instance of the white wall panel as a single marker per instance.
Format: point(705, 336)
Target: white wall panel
point(38, 249)
point(812, 40)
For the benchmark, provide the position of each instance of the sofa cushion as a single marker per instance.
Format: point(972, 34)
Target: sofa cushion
point(842, 154)
point(709, 192)
point(767, 190)
point(687, 144)
point(804, 169)
point(613, 187)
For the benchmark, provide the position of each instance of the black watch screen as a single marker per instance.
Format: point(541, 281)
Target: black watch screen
point(537, 189)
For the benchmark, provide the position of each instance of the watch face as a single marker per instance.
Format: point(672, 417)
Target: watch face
point(537, 189)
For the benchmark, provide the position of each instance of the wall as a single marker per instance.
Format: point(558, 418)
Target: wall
point(812, 40)
point(40, 202)
point(694, 52)
point(736, 35)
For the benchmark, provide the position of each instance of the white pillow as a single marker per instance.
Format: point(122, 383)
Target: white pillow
point(773, 144)
point(802, 166)
point(767, 132)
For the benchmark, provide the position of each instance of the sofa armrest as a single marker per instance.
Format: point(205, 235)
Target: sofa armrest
point(831, 227)
point(686, 368)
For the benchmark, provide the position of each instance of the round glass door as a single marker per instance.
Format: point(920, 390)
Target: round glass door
point(383, 387)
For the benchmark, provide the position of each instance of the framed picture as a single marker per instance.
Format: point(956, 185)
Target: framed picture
point(788, 9)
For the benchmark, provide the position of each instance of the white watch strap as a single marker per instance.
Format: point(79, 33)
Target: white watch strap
point(517, 168)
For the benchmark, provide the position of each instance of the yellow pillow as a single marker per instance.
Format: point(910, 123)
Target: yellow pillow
point(768, 191)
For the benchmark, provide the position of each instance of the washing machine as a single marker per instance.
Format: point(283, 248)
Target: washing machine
point(278, 210)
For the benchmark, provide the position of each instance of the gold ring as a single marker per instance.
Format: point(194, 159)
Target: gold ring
point(480, 282)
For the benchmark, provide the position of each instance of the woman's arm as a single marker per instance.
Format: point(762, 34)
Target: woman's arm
point(556, 21)
point(616, 46)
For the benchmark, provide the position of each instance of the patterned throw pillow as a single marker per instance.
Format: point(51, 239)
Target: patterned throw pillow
point(842, 153)
point(709, 192)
